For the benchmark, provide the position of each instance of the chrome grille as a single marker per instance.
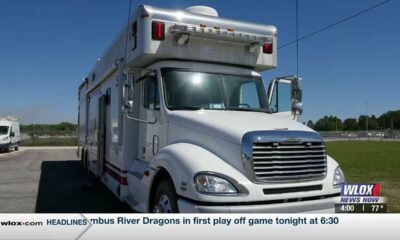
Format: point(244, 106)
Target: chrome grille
point(289, 161)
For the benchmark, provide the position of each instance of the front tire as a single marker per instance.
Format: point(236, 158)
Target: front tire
point(165, 198)
point(9, 148)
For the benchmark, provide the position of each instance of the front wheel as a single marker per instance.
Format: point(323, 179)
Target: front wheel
point(165, 199)
point(9, 148)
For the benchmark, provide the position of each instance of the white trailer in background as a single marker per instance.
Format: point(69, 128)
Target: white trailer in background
point(9, 134)
point(175, 118)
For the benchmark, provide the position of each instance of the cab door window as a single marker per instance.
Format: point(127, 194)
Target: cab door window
point(281, 98)
point(151, 94)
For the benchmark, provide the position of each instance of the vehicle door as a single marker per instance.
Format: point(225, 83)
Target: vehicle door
point(101, 134)
point(149, 127)
point(12, 136)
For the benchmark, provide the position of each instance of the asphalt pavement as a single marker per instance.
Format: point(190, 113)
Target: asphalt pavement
point(51, 180)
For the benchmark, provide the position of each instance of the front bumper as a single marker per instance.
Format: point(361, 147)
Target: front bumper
point(4, 146)
point(326, 205)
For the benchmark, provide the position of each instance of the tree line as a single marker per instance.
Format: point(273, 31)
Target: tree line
point(63, 127)
point(389, 120)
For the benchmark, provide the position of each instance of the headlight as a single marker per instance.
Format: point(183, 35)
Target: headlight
point(4, 138)
point(338, 177)
point(206, 183)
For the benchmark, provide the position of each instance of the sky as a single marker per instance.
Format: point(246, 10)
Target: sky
point(48, 46)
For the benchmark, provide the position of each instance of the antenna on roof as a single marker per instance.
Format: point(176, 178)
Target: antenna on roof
point(127, 32)
point(297, 38)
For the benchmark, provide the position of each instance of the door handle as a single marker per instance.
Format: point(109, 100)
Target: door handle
point(141, 120)
point(155, 144)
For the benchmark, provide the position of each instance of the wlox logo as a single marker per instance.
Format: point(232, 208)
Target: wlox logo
point(20, 223)
point(361, 190)
point(360, 193)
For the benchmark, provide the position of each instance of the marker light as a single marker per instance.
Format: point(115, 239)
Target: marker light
point(267, 48)
point(158, 31)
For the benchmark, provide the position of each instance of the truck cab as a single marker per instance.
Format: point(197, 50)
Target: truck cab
point(195, 129)
point(223, 141)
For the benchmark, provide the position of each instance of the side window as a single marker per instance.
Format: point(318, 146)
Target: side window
point(281, 98)
point(108, 96)
point(88, 125)
point(249, 96)
point(151, 95)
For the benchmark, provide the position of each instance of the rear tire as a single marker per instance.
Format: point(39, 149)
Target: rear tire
point(165, 198)
point(84, 160)
point(87, 167)
point(16, 148)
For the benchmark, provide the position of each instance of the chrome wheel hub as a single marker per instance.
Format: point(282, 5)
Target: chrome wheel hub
point(163, 205)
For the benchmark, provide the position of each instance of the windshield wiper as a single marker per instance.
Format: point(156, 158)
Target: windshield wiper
point(246, 109)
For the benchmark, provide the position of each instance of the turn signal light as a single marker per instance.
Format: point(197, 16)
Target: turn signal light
point(158, 31)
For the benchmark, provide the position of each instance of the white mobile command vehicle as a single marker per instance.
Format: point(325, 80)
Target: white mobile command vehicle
point(9, 134)
point(175, 118)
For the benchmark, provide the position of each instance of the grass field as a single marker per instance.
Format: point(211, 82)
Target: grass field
point(371, 162)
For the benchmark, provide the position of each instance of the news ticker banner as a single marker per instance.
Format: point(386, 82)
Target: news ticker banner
point(199, 226)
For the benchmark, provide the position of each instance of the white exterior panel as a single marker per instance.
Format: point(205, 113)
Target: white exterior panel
point(143, 144)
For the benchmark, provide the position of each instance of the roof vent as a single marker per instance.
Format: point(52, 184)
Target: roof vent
point(202, 10)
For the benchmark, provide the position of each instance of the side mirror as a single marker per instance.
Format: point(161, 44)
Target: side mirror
point(12, 134)
point(297, 107)
point(127, 93)
point(297, 97)
point(285, 96)
point(127, 106)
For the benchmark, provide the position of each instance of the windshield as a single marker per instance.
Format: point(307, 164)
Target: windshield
point(3, 130)
point(186, 90)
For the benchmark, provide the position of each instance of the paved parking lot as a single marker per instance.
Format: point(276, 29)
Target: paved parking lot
point(51, 180)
